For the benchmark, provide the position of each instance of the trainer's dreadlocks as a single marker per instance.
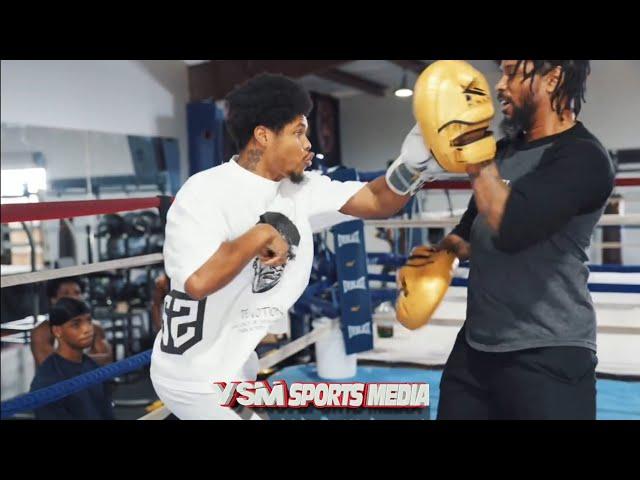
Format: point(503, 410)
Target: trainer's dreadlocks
point(571, 86)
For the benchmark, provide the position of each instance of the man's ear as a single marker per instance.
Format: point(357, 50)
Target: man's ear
point(262, 135)
point(553, 79)
point(57, 331)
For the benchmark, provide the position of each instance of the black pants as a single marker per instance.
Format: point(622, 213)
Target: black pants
point(551, 383)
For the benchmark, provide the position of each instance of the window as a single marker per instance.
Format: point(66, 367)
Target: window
point(20, 182)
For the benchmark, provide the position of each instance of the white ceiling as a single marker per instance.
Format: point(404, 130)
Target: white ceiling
point(194, 62)
point(380, 71)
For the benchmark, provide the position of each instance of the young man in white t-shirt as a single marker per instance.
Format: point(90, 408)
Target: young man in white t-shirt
point(239, 249)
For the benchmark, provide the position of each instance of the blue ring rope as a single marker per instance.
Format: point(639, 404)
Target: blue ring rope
point(44, 396)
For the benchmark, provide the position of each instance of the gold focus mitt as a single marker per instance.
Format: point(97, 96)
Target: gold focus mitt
point(422, 284)
point(453, 107)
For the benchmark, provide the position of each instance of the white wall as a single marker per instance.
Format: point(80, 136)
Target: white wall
point(612, 110)
point(122, 97)
point(372, 128)
point(135, 97)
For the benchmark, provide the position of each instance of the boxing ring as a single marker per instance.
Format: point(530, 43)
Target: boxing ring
point(615, 291)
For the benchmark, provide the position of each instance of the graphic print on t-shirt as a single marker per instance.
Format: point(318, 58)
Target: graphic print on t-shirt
point(182, 321)
point(265, 277)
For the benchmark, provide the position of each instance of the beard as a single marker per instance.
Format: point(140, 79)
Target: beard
point(297, 177)
point(521, 120)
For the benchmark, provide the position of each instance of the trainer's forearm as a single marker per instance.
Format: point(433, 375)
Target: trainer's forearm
point(227, 262)
point(457, 245)
point(491, 194)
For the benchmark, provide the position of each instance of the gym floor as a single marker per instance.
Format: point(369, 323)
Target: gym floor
point(616, 399)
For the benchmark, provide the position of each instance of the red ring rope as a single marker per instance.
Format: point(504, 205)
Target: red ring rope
point(24, 212)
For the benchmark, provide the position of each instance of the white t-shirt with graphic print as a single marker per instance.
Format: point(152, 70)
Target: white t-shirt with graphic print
point(214, 340)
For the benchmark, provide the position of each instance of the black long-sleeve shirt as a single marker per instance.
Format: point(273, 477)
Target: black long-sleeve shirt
point(528, 282)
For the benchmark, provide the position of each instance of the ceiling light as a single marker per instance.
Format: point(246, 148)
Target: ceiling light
point(403, 90)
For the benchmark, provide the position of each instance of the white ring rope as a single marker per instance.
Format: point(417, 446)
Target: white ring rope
point(605, 220)
point(458, 322)
point(32, 277)
point(615, 245)
point(276, 356)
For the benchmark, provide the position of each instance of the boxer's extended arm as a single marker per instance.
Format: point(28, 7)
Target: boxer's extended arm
point(386, 195)
point(375, 200)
